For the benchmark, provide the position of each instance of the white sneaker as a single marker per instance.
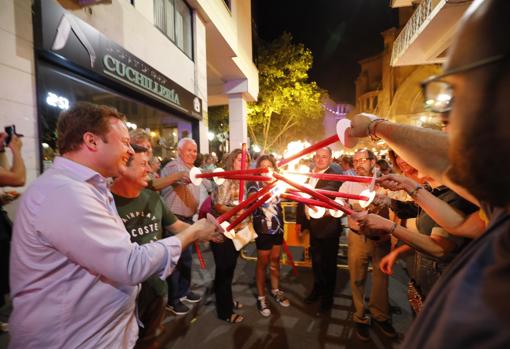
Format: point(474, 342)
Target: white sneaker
point(262, 307)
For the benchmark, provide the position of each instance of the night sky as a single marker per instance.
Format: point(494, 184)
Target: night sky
point(338, 32)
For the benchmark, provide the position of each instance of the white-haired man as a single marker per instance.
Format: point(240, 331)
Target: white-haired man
point(182, 198)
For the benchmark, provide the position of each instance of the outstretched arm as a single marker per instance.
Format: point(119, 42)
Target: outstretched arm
point(425, 149)
point(436, 246)
point(445, 215)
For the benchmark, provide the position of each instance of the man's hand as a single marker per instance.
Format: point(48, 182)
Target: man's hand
point(387, 263)
point(15, 144)
point(206, 231)
point(181, 177)
point(381, 200)
point(372, 224)
point(396, 182)
point(359, 124)
point(3, 136)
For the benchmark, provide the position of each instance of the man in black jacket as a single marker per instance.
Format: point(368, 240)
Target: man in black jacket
point(324, 236)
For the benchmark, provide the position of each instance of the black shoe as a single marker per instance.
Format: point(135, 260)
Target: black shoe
point(191, 297)
point(312, 297)
point(387, 328)
point(178, 308)
point(362, 331)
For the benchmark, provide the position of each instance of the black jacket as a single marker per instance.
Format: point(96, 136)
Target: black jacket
point(327, 226)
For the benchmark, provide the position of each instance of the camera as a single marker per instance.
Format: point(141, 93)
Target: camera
point(10, 130)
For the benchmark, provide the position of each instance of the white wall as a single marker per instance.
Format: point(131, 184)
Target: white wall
point(128, 26)
point(199, 35)
point(134, 30)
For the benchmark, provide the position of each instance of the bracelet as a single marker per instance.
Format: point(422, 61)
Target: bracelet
point(415, 190)
point(371, 130)
point(393, 228)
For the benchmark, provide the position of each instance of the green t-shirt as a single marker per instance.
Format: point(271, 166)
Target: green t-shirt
point(144, 217)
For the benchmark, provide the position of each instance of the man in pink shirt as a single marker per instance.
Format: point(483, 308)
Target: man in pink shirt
point(74, 273)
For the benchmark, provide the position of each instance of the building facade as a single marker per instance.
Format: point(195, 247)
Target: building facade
point(161, 62)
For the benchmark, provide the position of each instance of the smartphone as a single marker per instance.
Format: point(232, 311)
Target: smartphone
point(10, 130)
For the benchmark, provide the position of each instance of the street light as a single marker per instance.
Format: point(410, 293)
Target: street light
point(210, 136)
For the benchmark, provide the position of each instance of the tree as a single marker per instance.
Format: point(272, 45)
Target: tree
point(288, 107)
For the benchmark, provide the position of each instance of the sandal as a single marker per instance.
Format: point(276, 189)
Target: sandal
point(238, 305)
point(234, 318)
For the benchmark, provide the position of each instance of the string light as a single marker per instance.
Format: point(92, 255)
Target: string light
point(344, 109)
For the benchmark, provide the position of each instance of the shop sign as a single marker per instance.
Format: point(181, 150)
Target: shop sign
point(68, 39)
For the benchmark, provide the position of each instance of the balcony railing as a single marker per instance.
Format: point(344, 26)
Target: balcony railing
point(414, 26)
point(369, 102)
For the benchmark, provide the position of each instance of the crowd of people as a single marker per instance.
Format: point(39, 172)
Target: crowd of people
point(97, 263)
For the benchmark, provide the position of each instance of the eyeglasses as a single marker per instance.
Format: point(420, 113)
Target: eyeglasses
point(361, 161)
point(438, 93)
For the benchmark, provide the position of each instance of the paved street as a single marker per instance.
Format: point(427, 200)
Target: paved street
point(298, 326)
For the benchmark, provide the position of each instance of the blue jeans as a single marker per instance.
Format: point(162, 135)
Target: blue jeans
point(179, 281)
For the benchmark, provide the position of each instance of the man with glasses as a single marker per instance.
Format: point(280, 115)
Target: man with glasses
point(361, 251)
point(469, 307)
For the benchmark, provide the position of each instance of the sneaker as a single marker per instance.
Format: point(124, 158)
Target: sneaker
point(280, 298)
point(178, 308)
point(362, 331)
point(191, 297)
point(262, 307)
point(387, 328)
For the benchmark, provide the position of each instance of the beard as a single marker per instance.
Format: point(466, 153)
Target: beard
point(478, 164)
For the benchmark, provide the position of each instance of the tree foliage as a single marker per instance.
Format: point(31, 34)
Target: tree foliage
point(289, 107)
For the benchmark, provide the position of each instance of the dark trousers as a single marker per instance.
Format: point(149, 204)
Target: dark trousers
point(151, 305)
point(324, 259)
point(179, 281)
point(5, 247)
point(225, 258)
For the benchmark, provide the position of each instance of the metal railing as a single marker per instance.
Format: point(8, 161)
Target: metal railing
point(413, 27)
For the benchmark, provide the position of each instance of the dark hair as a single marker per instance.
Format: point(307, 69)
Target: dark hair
point(347, 159)
point(267, 157)
point(138, 149)
point(82, 118)
point(228, 160)
point(199, 160)
point(384, 165)
point(371, 155)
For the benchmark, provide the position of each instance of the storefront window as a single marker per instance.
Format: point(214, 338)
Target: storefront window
point(59, 89)
point(173, 18)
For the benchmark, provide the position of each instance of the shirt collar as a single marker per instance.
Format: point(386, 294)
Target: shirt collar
point(77, 171)
point(322, 171)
